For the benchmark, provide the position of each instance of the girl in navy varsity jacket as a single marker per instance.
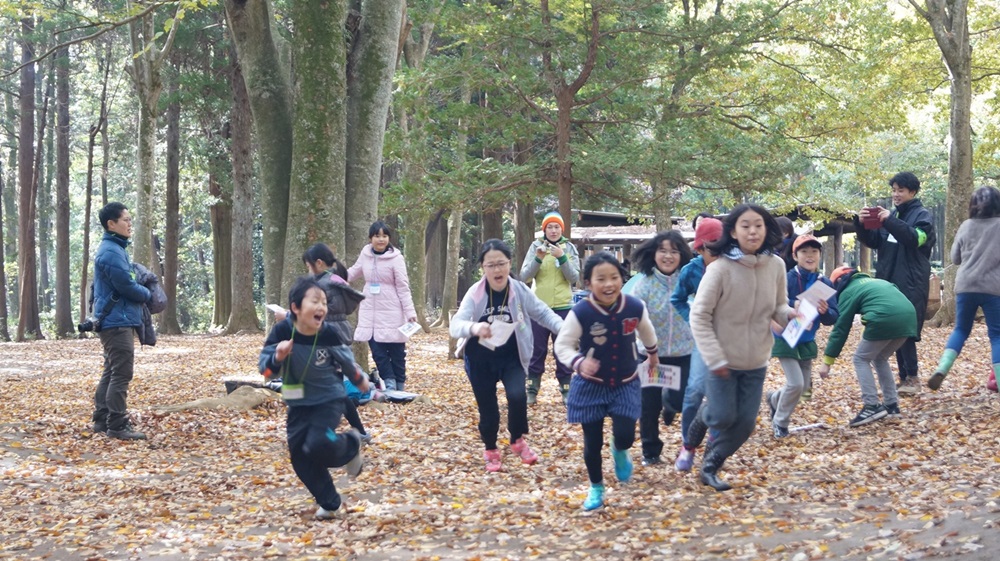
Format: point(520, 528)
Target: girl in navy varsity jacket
point(597, 340)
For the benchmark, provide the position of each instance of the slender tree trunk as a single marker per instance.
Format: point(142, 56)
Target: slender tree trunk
point(369, 89)
point(44, 204)
point(4, 329)
point(450, 299)
point(64, 314)
point(243, 317)
point(416, 261)
point(492, 224)
point(28, 326)
point(222, 243)
point(168, 318)
point(98, 128)
point(271, 103)
point(10, 194)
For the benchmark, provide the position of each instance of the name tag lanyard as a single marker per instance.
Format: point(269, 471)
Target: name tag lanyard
point(287, 364)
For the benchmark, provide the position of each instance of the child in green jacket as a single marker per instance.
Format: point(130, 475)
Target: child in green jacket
point(889, 319)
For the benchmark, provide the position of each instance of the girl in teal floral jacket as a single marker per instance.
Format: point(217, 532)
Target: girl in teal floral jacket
point(659, 261)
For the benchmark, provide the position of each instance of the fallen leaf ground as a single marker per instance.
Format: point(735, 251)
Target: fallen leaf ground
point(218, 485)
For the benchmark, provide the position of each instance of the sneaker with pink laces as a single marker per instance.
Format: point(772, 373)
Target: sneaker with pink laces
point(492, 458)
point(520, 447)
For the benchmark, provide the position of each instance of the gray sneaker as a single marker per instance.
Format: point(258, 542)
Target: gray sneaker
point(908, 386)
point(126, 432)
point(869, 414)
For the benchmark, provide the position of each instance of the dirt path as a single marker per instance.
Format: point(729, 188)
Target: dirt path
point(218, 485)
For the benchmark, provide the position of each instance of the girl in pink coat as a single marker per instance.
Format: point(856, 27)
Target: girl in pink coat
point(387, 304)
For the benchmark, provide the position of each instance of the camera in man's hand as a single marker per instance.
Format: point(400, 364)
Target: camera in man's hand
point(89, 324)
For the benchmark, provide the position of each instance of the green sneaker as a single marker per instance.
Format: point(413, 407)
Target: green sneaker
point(595, 497)
point(623, 463)
point(807, 394)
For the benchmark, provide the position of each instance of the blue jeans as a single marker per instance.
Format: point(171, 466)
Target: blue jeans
point(966, 304)
point(733, 403)
point(694, 393)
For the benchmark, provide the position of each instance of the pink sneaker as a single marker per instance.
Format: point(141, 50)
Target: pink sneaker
point(492, 458)
point(520, 447)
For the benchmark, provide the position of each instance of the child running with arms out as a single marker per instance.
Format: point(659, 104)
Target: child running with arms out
point(310, 356)
point(597, 341)
point(495, 303)
point(731, 317)
point(797, 361)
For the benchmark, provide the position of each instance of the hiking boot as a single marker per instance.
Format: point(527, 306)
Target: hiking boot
point(623, 463)
point(908, 386)
point(770, 405)
point(892, 409)
point(685, 460)
point(354, 465)
point(595, 497)
point(99, 427)
point(934, 382)
point(564, 390)
point(521, 449)
point(126, 432)
point(651, 461)
point(492, 458)
point(869, 414)
point(709, 473)
point(533, 385)
point(780, 431)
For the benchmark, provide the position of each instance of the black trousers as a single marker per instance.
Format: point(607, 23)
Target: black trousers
point(315, 447)
point(656, 400)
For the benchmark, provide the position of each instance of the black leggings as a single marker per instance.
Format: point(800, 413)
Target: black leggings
point(352, 416)
point(623, 432)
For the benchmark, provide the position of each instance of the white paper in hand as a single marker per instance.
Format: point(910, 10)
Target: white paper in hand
point(500, 331)
point(274, 308)
point(799, 325)
point(818, 291)
point(666, 376)
point(409, 328)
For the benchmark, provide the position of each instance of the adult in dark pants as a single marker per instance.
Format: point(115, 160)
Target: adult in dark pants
point(118, 302)
point(902, 241)
point(554, 265)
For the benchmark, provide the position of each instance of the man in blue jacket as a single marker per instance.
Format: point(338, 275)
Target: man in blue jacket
point(118, 302)
point(903, 241)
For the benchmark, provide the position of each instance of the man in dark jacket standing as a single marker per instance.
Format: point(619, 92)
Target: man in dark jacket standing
point(118, 304)
point(903, 239)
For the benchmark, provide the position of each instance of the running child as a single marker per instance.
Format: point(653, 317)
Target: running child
point(659, 260)
point(707, 230)
point(497, 298)
point(311, 357)
point(797, 361)
point(740, 294)
point(597, 341)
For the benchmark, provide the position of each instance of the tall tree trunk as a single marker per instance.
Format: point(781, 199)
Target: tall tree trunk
point(492, 224)
point(416, 261)
point(222, 243)
point(948, 20)
point(10, 194)
point(168, 318)
point(450, 299)
point(316, 195)
point(271, 104)
point(44, 180)
point(64, 313)
point(144, 70)
point(98, 128)
point(4, 329)
point(243, 317)
point(369, 89)
point(28, 326)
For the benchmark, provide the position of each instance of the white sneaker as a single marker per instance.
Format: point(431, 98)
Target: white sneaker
point(353, 467)
point(324, 514)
